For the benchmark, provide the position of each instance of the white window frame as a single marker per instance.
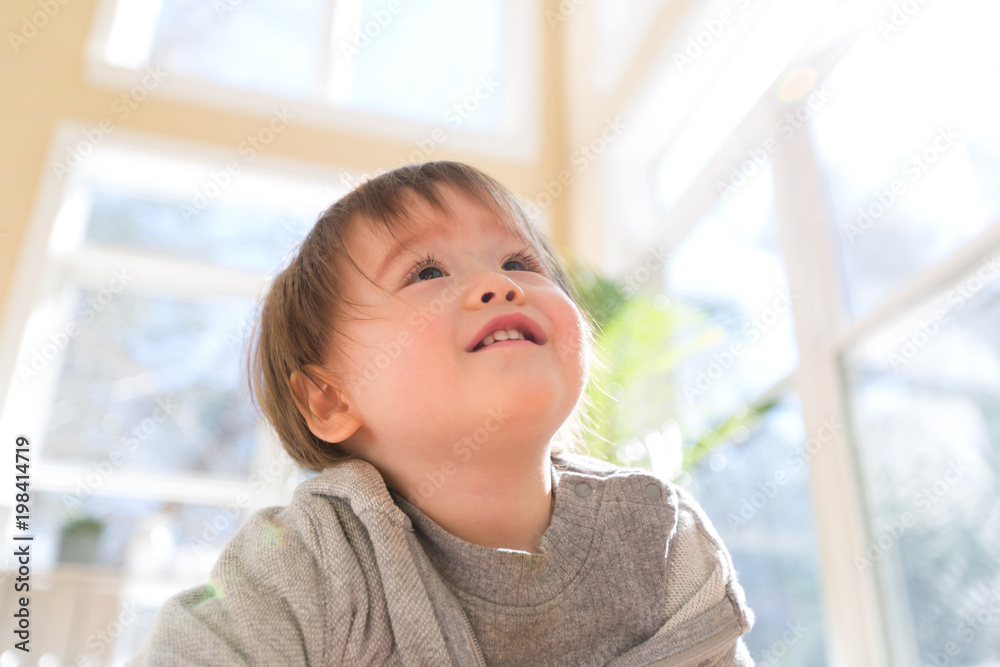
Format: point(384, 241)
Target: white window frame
point(867, 621)
point(48, 263)
point(826, 336)
point(518, 138)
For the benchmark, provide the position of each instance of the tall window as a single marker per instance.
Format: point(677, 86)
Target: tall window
point(146, 454)
point(844, 155)
point(754, 484)
point(910, 153)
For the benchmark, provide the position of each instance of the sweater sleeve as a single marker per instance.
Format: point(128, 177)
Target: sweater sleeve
point(701, 577)
point(268, 602)
point(704, 611)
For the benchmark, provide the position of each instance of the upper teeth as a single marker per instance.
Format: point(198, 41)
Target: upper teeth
point(503, 334)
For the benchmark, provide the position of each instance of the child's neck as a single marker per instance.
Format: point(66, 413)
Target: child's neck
point(496, 504)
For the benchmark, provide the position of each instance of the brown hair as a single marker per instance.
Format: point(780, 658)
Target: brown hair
point(292, 330)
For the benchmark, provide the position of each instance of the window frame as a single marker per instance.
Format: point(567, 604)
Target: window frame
point(868, 622)
point(518, 139)
point(45, 269)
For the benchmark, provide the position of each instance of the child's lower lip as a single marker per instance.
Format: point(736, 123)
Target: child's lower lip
point(504, 343)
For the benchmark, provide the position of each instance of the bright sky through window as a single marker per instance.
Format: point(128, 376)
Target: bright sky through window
point(369, 56)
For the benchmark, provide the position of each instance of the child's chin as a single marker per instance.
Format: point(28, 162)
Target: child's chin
point(528, 408)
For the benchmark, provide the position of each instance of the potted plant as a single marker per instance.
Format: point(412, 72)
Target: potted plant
point(78, 539)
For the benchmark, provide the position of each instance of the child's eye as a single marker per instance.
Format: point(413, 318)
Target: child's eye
point(423, 266)
point(424, 269)
point(526, 260)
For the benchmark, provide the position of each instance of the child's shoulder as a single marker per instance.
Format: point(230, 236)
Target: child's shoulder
point(353, 484)
point(648, 484)
point(581, 463)
point(322, 514)
point(695, 551)
point(689, 515)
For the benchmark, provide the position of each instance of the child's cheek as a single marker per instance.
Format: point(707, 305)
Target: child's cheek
point(380, 354)
point(419, 357)
point(417, 323)
point(574, 352)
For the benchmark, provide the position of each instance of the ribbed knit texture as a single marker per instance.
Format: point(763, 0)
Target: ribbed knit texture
point(596, 589)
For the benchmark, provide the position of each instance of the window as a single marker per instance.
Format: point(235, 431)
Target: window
point(754, 485)
point(850, 159)
point(915, 216)
point(927, 187)
point(923, 390)
point(353, 63)
point(147, 456)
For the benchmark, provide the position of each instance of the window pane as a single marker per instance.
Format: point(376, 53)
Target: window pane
point(392, 58)
point(923, 119)
point(757, 496)
point(730, 268)
point(410, 68)
point(237, 237)
point(620, 27)
point(157, 548)
point(925, 396)
point(142, 538)
point(156, 380)
point(730, 275)
point(254, 44)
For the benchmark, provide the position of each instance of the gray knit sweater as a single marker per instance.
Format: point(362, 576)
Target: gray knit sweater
point(630, 572)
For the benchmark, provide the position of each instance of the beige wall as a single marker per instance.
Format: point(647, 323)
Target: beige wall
point(44, 82)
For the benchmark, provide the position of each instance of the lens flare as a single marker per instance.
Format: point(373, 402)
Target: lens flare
point(797, 84)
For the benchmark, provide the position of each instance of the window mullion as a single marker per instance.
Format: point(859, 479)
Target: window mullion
point(326, 54)
point(94, 265)
point(189, 489)
point(937, 278)
point(853, 603)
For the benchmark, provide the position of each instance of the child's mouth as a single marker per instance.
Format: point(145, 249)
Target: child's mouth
point(510, 327)
point(505, 343)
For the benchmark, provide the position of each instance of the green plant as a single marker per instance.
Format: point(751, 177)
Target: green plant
point(78, 540)
point(641, 337)
point(82, 525)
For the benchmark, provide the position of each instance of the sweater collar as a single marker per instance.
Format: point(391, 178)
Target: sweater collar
point(510, 577)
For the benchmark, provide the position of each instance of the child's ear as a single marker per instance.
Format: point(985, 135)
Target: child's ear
point(330, 416)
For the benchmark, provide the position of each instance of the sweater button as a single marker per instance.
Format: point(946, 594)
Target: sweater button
point(582, 489)
point(653, 491)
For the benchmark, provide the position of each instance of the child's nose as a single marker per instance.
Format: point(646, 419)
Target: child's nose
point(489, 295)
point(491, 287)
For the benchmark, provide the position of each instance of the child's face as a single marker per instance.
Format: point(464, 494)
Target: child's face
point(415, 384)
